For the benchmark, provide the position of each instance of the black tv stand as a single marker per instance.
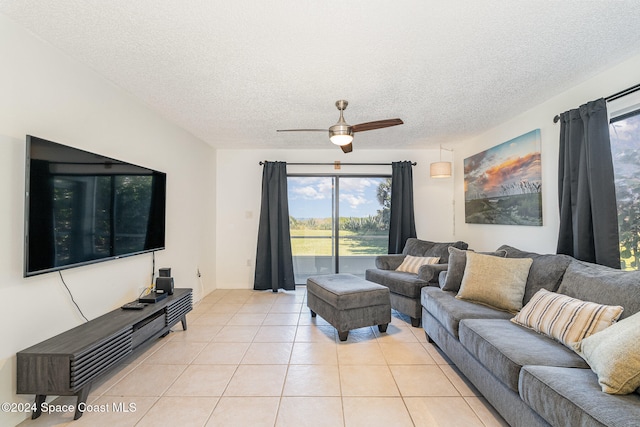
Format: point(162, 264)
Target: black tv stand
point(67, 364)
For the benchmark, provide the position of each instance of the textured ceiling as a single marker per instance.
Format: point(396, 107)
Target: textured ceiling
point(231, 72)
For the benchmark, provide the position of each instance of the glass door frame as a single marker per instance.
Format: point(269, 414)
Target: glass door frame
point(335, 200)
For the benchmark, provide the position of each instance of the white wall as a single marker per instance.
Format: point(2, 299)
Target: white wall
point(239, 179)
point(538, 239)
point(47, 94)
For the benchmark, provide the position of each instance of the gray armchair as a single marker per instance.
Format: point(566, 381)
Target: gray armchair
point(405, 287)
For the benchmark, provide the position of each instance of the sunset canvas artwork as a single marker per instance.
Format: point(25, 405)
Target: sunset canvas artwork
point(503, 185)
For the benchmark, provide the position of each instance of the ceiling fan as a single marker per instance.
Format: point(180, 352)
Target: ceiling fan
point(342, 133)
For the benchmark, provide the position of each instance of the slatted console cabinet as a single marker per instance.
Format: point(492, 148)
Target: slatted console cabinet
point(67, 364)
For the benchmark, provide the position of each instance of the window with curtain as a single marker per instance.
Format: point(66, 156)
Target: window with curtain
point(624, 130)
point(338, 223)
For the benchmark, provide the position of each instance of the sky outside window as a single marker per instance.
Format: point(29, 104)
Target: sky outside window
point(308, 197)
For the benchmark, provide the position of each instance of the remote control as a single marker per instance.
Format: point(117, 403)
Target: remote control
point(134, 306)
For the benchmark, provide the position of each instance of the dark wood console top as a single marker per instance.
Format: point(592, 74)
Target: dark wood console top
point(86, 335)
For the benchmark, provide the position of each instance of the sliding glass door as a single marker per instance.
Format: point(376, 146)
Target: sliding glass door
point(339, 224)
point(313, 233)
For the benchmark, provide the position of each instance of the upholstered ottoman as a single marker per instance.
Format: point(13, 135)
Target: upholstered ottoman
point(348, 302)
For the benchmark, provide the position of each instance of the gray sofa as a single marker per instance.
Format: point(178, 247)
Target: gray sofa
point(530, 379)
point(405, 287)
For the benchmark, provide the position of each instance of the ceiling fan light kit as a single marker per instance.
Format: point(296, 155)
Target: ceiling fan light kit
point(341, 140)
point(341, 133)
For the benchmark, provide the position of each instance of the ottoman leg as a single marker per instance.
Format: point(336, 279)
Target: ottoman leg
point(383, 327)
point(313, 313)
point(415, 322)
point(343, 335)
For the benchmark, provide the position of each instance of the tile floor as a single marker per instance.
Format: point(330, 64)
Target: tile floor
point(252, 358)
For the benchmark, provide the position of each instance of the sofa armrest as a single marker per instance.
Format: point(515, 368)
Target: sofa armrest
point(430, 272)
point(442, 278)
point(389, 262)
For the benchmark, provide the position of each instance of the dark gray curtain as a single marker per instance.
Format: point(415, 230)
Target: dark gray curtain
point(586, 191)
point(274, 263)
point(402, 224)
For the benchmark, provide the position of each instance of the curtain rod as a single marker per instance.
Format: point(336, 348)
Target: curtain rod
point(337, 163)
point(613, 97)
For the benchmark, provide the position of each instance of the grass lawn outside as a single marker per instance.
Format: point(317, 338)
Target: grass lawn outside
point(320, 243)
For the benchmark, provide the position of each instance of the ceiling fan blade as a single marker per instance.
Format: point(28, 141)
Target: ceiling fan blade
point(347, 148)
point(302, 130)
point(376, 125)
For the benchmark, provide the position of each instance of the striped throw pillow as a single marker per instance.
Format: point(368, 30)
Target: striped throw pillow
point(412, 264)
point(565, 319)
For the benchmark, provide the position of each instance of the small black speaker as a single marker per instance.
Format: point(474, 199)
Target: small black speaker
point(164, 285)
point(164, 272)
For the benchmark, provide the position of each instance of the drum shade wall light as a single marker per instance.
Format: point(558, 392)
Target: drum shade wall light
point(441, 169)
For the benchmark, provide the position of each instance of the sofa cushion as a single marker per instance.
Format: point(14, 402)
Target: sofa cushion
point(449, 311)
point(504, 348)
point(565, 396)
point(417, 247)
point(604, 285)
point(498, 282)
point(613, 355)
point(457, 264)
point(546, 270)
point(398, 282)
point(411, 264)
point(568, 320)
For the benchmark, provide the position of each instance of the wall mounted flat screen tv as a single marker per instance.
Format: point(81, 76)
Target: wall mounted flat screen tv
point(82, 208)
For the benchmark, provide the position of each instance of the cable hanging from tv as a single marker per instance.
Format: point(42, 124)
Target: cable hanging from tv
point(71, 295)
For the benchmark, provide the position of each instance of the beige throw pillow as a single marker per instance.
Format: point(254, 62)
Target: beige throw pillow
point(412, 264)
point(614, 355)
point(494, 281)
point(565, 319)
point(456, 265)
